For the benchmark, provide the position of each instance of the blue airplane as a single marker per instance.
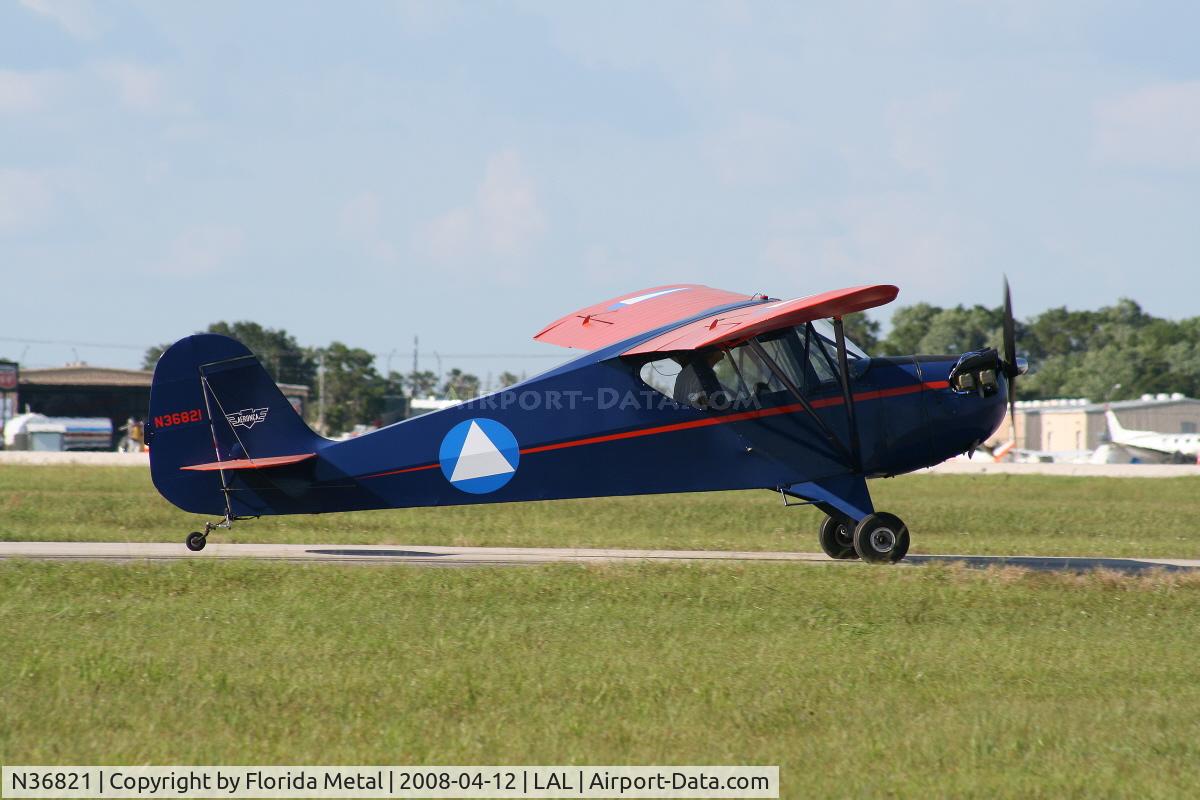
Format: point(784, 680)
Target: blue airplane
point(682, 388)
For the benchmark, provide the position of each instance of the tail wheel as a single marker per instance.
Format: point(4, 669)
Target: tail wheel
point(196, 541)
point(881, 538)
point(837, 539)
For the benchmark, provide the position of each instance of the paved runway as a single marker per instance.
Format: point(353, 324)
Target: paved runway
point(515, 556)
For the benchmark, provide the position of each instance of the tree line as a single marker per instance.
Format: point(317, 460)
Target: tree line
point(1118, 352)
point(354, 390)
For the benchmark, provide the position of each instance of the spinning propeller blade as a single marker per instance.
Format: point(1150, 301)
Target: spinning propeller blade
point(1011, 366)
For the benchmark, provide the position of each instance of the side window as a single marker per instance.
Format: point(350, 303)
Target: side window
point(717, 379)
point(707, 379)
point(661, 375)
point(819, 357)
point(689, 378)
point(754, 378)
point(783, 349)
point(725, 370)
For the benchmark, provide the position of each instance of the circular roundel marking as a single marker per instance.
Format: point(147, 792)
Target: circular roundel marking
point(479, 455)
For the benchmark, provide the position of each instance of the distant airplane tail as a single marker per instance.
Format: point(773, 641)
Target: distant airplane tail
point(217, 420)
point(1115, 428)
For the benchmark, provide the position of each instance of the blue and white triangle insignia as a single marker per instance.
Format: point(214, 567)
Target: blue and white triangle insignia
point(479, 455)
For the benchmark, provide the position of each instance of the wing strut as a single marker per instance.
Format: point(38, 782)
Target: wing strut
point(847, 395)
point(795, 390)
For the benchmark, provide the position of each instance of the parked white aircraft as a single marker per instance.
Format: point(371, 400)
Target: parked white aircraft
point(1157, 446)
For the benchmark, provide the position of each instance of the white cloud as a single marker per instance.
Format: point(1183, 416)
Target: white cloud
point(26, 92)
point(359, 221)
point(508, 206)
point(359, 216)
point(26, 199)
point(138, 87)
point(76, 17)
point(885, 238)
point(504, 219)
point(202, 250)
point(454, 235)
point(1155, 126)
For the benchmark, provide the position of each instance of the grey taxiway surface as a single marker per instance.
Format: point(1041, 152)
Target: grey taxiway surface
point(517, 556)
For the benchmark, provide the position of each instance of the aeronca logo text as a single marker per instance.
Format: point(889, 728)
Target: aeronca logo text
point(247, 417)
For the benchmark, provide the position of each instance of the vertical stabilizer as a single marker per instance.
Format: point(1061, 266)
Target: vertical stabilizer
point(211, 401)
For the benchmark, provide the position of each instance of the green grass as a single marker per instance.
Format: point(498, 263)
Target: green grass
point(857, 682)
point(987, 514)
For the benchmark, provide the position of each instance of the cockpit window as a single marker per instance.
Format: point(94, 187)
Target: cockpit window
point(706, 379)
point(820, 351)
point(728, 377)
point(783, 347)
point(716, 379)
point(662, 374)
point(722, 378)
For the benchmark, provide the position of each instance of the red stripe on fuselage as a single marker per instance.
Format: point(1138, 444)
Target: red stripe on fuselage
point(402, 471)
point(826, 402)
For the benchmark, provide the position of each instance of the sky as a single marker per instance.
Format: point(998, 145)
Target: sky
point(369, 172)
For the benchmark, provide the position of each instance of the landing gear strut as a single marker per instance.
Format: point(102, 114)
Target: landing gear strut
point(196, 540)
point(837, 539)
point(881, 538)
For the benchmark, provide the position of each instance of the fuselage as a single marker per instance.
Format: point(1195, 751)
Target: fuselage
point(768, 412)
point(1183, 444)
point(595, 427)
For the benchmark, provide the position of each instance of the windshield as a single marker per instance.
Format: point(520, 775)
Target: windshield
point(824, 329)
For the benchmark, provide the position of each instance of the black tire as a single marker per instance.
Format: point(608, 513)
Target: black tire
point(196, 541)
point(881, 538)
point(837, 539)
point(901, 547)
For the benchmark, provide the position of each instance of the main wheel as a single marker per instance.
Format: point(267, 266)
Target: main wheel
point(837, 539)
point(881, 538)
point(196, 541)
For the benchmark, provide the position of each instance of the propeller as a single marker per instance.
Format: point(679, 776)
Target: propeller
point(1012, 365)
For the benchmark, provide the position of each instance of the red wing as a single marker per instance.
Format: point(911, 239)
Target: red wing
point(742, 323)
point(637, 312)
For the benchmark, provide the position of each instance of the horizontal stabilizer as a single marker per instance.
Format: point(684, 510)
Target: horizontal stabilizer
point(251, 463)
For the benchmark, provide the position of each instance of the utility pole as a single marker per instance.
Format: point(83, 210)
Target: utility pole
point(416, 345)
point(321, 393)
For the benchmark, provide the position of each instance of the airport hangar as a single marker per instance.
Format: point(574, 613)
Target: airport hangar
point(82, 390)
point(1075, 425)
